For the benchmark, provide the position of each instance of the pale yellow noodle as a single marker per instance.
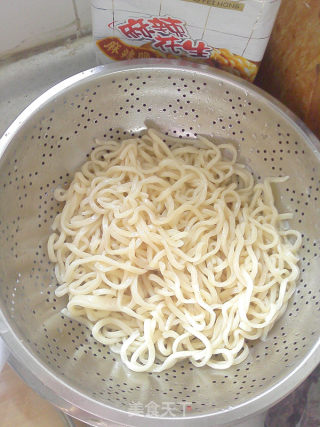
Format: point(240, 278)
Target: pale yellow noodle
point(172, 252)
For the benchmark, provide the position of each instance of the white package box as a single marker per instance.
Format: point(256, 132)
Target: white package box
point(229, 34)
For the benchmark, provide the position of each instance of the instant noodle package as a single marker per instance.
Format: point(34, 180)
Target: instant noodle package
point(228, 34)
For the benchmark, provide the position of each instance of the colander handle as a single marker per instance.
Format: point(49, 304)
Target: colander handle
point(257, 420)
point(4, 351)
point(4, 354)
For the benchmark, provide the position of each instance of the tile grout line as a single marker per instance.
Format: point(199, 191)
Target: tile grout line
point(77, 19)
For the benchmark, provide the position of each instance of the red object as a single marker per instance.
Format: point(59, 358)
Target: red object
point(196, 48)
point(118, 50)
point(136, 29)
point(167, 26)
point(172, 43)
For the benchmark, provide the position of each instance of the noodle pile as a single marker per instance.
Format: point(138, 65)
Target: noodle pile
point(172, 252)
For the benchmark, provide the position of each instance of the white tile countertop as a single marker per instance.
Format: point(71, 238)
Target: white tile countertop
point(26, 25)
point(23, 80)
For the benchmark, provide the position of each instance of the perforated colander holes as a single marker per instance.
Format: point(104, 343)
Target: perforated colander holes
point(131, 88)
point(242, 102)
point(288, 145)
point(303, 200)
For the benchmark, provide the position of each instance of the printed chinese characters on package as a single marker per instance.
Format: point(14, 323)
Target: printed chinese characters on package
point(228, 34)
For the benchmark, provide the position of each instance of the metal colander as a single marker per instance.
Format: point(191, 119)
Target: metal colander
point(42, 150)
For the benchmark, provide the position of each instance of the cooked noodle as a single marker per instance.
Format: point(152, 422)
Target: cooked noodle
point(172, 253)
